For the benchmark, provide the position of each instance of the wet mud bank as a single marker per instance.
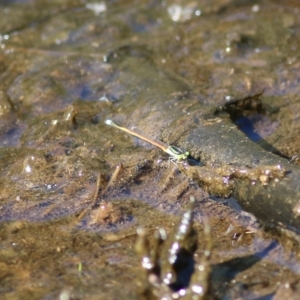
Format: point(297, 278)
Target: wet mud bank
point(77, 195)
point(265, 184)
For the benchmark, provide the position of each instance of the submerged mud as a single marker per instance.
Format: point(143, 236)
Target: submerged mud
point(75, 192)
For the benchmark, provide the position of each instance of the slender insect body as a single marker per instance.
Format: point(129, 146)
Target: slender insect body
point(176, 154)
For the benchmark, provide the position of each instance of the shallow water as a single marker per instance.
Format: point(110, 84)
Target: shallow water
point(67, 66)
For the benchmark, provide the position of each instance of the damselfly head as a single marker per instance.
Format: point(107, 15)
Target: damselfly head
point(177, 153)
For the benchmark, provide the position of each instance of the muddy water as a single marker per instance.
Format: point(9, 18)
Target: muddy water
point(69, 210)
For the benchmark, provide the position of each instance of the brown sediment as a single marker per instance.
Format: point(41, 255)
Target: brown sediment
point(220, 145)
point(140, 66)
